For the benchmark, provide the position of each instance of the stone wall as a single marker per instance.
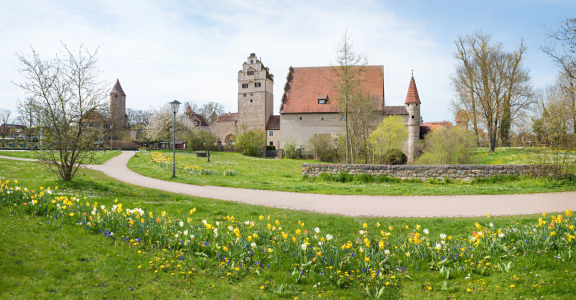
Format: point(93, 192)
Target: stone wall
point(461, 172)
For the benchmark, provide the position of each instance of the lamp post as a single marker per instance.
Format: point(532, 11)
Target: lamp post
point(110, 137)
point(174, 105)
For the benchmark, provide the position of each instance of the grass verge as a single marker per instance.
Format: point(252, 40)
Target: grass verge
point(100, 157)
point(235, 170)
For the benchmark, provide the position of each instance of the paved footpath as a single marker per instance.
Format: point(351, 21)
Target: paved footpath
point(353, 205)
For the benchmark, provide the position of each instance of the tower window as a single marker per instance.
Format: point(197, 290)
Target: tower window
point(300, 118)
point(244, 85)
point(416, 104)
point(412, 117)
point(250, 100)
point(270, 133)
point(251, 61)
point(115, 96)
point(258, 84)
point(244, 95)
point(250, 72)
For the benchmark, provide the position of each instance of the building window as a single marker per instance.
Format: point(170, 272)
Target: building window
point(271, 143)
point(258, 84)
point(115, 96)
point(250, 100)
point(244, 95)
point(321, 101)
point(342, 118)
point(251, 61)
point(271, 133)
point(250, 72)
point(300, 118)
point(412, 117)
point(244, 85)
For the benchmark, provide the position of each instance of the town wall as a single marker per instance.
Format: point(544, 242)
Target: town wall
point(440, 172)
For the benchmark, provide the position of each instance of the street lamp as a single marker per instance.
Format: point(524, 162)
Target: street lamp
point(174, 105)
point(110, 137)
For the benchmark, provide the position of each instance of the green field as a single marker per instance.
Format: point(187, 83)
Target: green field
point(100, 157)
point(512, 156)
point(286, 175)
point(45, 258)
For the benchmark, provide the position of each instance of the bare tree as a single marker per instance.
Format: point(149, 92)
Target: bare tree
point(492, 85)
point(137, 117)
point(350, 70)
point(161, 124)
point(4, 119)
point(64, 92)
point(211, 111)
point(26, 117)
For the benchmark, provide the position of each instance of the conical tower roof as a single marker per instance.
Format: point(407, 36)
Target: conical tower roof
point(117, 88)
point(412, 96)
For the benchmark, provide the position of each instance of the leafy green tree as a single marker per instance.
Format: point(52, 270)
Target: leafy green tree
point(447, 146)
point(324, 147)
point(390, 134)
point(250, 142)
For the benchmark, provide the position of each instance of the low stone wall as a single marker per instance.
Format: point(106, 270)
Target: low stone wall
point(460, 172)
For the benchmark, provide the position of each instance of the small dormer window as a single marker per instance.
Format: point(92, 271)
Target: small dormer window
point(244, 85)
point(258, 84)
point(250, 72)
point(321, 101)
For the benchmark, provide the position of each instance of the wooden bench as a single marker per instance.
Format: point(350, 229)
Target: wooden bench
point(201, 154)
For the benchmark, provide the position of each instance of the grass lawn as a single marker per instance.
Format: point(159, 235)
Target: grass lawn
point(100, 157)
point(44, 258)
point(509, 156)
point(286, 175)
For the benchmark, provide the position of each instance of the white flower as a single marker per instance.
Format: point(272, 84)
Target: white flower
point(253, 245)
point(491, 225)
point(186, 232)
point(230, 228)
point(17, 188)
point(361, 231)
point(176, 236)
point(438, 247)
point(181, 224)
point(303, 246)
point(386, 251)
point(58, 205)
point(204, 222)
point(247, 222)
point(191, 236)
point(215, 232)
point(473, 239)
point(252, 224)
point(93, 213)
point(501, 235)
point(317, 229)
point(217, 223)
point(114, 207)
point(328, 237)
point(426, 231)
point(319, 243)
point(140, 211)
point(49, 192)
point(442, 242)
point(442, 236)
point(102, 207)
point(8, 192)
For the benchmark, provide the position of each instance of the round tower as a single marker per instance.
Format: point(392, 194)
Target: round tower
point(117, 107)
point(413, 107)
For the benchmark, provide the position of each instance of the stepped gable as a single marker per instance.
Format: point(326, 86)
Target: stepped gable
point(412, 96)
point(117, 88)
point(306, 85)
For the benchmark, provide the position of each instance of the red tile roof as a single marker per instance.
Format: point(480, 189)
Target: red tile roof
point(227, 117)
point(304, 86)
point(273, 123)
point(446, 124)
point(117, 88)
point(412, 96)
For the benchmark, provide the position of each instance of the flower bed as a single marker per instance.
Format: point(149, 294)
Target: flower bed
point(379, 258)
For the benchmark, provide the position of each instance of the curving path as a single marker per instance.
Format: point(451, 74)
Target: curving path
point(352, 205)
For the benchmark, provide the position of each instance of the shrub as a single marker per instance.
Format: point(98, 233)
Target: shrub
point(364, 178)
point(324, 147)
point(445, 146)
point(390, 135)
point(395, 157)
point(387, 179)
point(495, 179)
point(289, 148)
point(249, 142)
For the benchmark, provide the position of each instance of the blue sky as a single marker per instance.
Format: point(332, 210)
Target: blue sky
point(192, 50)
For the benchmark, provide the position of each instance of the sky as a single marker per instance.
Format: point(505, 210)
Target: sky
point(192, 50)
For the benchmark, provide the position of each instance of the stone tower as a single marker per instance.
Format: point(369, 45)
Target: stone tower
point(462, 119)
point(255, 94)
point(117, 107)
point(413, 108)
